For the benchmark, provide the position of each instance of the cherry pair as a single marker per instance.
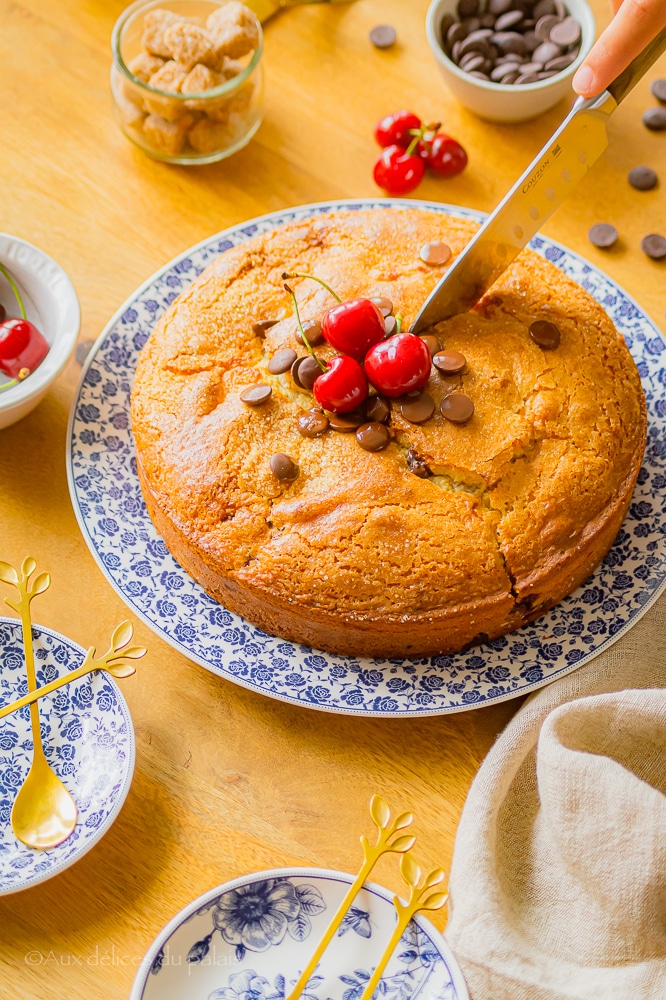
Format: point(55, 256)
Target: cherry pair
point(22, 346)
point(395, 366)
point(410, 147)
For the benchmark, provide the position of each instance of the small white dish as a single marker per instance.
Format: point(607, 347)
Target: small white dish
point(500, 102)
point(251, 938)
point(88, 739)
point(52, 305)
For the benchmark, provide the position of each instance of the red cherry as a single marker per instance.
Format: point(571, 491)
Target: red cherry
point(397, 171)
point(398, 365)
point(342, 387)
point(353, 327)
point(393, 130)
point(22, 347)
point(444, 155)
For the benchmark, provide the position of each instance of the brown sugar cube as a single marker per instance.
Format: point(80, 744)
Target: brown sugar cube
point(155, 24)
point(197, 81)
point(234, 30)
point(170, 77)
point(128, 102)
point(231, 68)
point(237, 104)
point(208, 136)
point(165, 136)
point(188, 44)
point(144, 66)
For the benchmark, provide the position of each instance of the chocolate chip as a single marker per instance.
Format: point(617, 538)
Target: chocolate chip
point(643, 178)
point(432, 343)
point(473, 62)
point(457, 407)
point(456, 33)
point(545, 334)
point(503, 70)
point(509, 20)
point(373, 436)
point(312, 424)
point(467, 8)
point(417, 465)
point(566, 33)
point(444, 26)
point(526, 78)
point(384, 305)
point(510, 41)
point(488, 20)
point(602, 235)
point(449, 362)
point(417, 410)
point(390, 325)
point(655, 119)
point(545, 52)
point(281, 361)
point(561, 62)
point(255, 395)
point(498, 7)
point(262, 325)
point(476, 41)
point(82, 348)
point(283, 467)
point(312, 328)
point(543, 26)
point(544, 8)
point(383, 36)
point(346, 422)
point(560, 9)
point(378, 409)
point(658, 90)
point(654, 246)
point(435, 253)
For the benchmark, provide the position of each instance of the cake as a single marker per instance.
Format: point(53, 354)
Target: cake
point(454, 532)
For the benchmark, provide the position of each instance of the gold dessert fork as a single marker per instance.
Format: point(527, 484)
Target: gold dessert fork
point(44, 813)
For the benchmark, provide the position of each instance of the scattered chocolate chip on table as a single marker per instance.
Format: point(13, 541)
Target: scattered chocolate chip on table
point(658, 90)
point(602, 235)
point(383, 36)
point(643, 178)
point(654, 245)
point(655, 119)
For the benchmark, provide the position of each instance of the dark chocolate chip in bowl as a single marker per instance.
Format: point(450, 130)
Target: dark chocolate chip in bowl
point(390, 325)
point(383, 36)
point(432, 343)
point(473, 62)
point(308, 372)
point(545, 334)
point(312, 328)
point(377, 409)
point(543, 26)
point(544, 8)
point(467, 8)
point(602, 235)
point(346, 422)
point(417, 465)
point(283, 467)
point(498, 7)
point(526, 78)
point(545, 52)
point(456, 33)
point(510, 41)
point(658, 90)
point(444, 26)
point(457, 407)
point(449, 362)
point(373, 436)
point(384, 305)
point(509, 20)
point(503, 70)
point(281, 361)
point(643, 178)
point(419, 409)
point(262, 325)
point(255, 395)
point(654, 245)
point(655, 119)
point(566, 32)
point(561, 62)
point(312, 424)
point(435, 253)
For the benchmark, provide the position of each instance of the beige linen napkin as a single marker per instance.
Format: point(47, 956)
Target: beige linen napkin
point(558, 880)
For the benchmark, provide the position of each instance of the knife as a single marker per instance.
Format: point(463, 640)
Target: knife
point(564, 160)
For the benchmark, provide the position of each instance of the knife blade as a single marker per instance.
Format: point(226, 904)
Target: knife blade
point(565, 159)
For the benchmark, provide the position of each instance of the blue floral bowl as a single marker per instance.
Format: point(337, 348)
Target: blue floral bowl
point(249, 940)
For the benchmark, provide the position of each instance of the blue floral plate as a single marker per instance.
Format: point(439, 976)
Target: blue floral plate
point(88, 739)
point(113, 518)
point(250, 939)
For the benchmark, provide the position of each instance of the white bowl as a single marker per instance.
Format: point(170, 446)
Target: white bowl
point(51, 304)
point(500, 102)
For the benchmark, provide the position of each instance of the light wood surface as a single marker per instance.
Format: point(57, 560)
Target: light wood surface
point(226, 781)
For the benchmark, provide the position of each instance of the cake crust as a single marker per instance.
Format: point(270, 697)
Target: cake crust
point(358, 555)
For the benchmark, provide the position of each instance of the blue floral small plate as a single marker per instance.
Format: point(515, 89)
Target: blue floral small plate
point(88, 739)
point(250, 939)
point(114, 521)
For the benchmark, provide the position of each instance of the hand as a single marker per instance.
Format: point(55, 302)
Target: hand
point(636, 22)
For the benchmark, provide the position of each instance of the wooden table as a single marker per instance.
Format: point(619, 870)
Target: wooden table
point(226, 781)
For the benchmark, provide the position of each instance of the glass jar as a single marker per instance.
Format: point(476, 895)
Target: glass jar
point(187, 82)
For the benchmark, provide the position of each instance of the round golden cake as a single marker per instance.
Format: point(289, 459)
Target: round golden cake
point(358, 554)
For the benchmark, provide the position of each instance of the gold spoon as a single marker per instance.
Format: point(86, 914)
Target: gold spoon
point(44, 813)
point(420, 898)
point(111, 661)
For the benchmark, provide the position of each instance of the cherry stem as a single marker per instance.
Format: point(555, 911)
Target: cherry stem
point(8, 385)
point(398, 322)
point(297, 274)
point(420, 134)
point(15, 290)
point(300, 326)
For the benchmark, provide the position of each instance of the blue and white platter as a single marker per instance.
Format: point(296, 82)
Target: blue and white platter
point(88, 739)
point(113, 518)
point(250, 939)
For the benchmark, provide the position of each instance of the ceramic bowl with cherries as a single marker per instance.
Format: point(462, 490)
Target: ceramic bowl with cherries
point(39, 324)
